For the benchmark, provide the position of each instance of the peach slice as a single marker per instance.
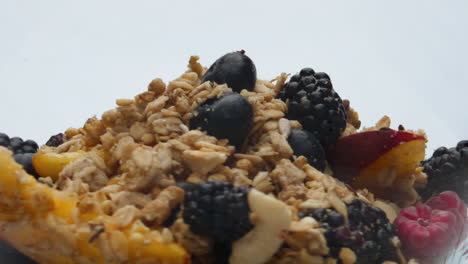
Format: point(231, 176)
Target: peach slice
point(51, 164)
point(375, 159)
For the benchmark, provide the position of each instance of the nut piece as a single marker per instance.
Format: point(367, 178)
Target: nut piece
point(263, 241)
point(202, 161)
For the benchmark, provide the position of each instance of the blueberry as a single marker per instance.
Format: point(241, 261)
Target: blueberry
point(227, 117)
point(4, 140)
point(15, 143)
point(234, 69)
point(25, 159)
point(305, 144)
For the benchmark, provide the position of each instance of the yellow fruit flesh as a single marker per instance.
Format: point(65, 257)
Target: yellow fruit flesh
point(399, 162)
point(53, 218)
point(49, 164)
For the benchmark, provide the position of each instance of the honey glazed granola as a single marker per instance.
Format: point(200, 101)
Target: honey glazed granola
point(218, 166)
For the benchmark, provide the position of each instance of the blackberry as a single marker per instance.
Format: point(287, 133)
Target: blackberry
point(217, 209)
point(305, 144)
point(368, 232)
point(234, 69)
point(447, 170)
point(55, 140)
point(316, 105)
point(17, 145)
point(227, 117)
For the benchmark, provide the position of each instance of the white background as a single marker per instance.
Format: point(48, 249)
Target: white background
point(64, 61)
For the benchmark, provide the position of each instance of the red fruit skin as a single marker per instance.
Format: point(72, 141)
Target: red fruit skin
point(450, 201)
point(425, 232)
point(353, 153)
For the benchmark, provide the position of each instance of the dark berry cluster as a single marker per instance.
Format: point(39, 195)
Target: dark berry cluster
point(368, 232)
point(17, 144)
point(23, 151)
point(217, 209)
point(316, 105)
point(447, 169)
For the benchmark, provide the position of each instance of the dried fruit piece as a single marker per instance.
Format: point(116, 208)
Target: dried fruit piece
point(55, 140)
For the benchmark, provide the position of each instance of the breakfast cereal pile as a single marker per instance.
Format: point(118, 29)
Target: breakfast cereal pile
point(218, 166)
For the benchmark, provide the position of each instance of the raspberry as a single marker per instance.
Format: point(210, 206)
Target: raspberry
point(216, 209)
point(314, 103)
point(425, 232)
point(368, 232)
point(447, 169)
point(449, 201)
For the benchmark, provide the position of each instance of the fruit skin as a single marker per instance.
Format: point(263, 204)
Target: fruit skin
point(450, 201)
point(227, 117)
point(426, 232)
point(357, 158)
point(316, 105)
point(217, 210)
point(234, 69)
point(447, 169)
point(305, 144)
point(25, 159)
point(55, 140)
point(4, 140)
point(368, 232)
point(23, 151)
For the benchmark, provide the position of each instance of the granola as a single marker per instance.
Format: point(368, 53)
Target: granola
point(124, 189)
